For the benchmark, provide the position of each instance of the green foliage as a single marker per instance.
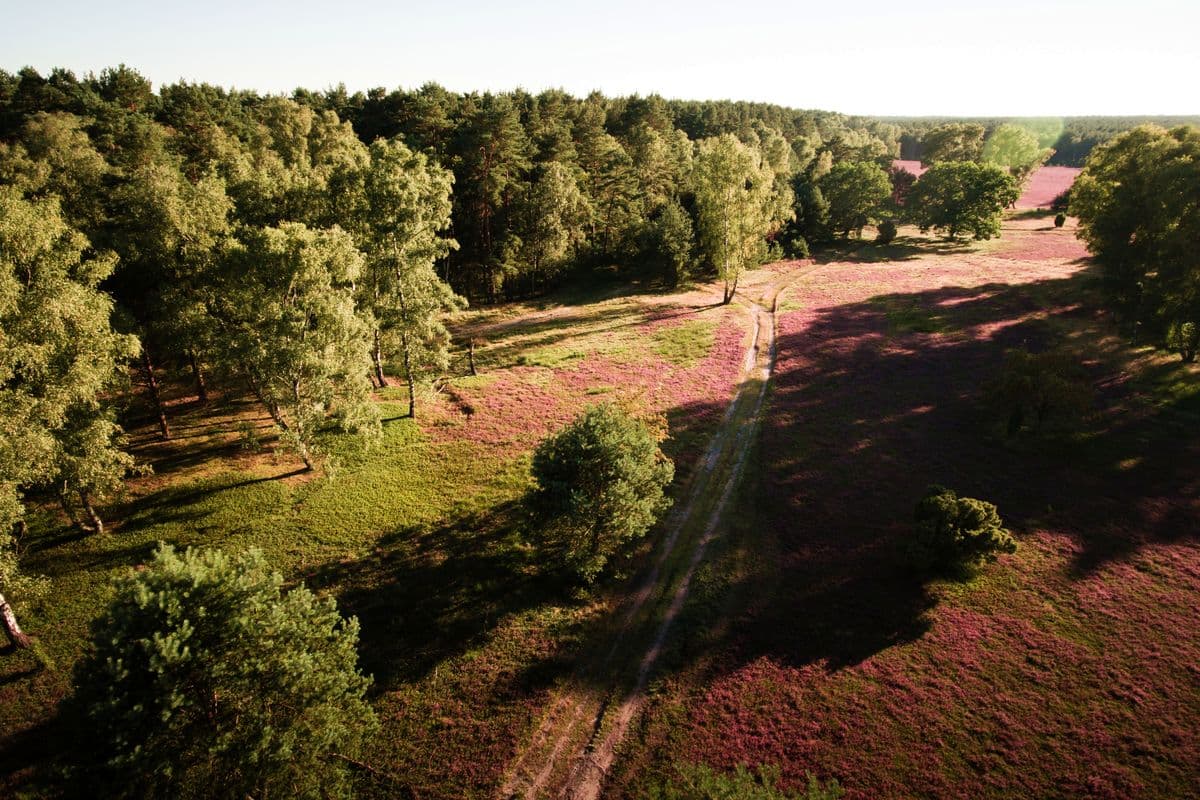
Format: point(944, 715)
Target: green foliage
point(554, 216)
point(812, 213)
point(1015, 149)
point(963, 198)
point(208, 681)
point(738, 205)
point(856, 192)
point(701, 782)
point(285, 301)
point(600, 484)
point(887, 232)
point(402, 206)
point(953, 141)
point(59, 361)
point(1036, 389)
point(669, 242)
point(1136, 201)
point(1060, 219)
point(1184, 338)
point(953, 532)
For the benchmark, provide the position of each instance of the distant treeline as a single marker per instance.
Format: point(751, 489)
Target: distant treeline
point(628, 156)
point(1071, 137)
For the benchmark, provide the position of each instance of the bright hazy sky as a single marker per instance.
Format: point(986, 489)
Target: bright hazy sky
point(951, 57)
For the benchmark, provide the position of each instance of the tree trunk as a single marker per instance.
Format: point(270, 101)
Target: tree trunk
point(408, 377)
point(471, 355)
point(80, 524)
point(97, 524)
point(198, 375)
point(155, 397)
point(16, 636)
point(377, 357)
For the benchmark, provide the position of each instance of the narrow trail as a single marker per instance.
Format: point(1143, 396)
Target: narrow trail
point(571, 751)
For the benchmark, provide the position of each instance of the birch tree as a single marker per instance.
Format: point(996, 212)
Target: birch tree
point(59, 359)
point(285, 306)
point(404, 212)
point(736, 202)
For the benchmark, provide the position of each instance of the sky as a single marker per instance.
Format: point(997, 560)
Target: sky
point(906, 57)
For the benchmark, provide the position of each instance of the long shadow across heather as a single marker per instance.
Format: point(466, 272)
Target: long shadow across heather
point(874, 401)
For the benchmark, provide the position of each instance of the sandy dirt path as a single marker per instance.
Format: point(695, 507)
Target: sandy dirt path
point(574, 746)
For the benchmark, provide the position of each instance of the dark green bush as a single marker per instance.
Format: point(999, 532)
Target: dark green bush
point(952, 532)
point(207, 681)
point(1060, 219)
point(600, 484)
point(887, 232)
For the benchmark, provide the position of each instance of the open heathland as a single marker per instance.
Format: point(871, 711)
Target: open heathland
point(1065, 670)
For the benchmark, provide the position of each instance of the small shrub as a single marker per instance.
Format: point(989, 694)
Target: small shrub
point(600, 484)
point(248, 437)
point(953, 532)
point(1062, 202)
point(208, 681)
point(887, 232)
point(1184, 338)
point(796, 246)
point(1060, 219)
point(702, 782)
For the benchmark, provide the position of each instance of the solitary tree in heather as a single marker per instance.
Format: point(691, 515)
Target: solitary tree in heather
point(963, 197)
point(207, 680)
point(952, 532)
point(600, 484)
point(735, 198)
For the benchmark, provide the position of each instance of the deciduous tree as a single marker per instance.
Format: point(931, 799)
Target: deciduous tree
point(963, 197)
point(284, 300)
point(737, 206)
point(856, 192)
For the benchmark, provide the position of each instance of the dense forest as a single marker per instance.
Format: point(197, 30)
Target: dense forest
point(1072, 138)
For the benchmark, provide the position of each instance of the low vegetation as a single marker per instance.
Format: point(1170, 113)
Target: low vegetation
point(242, 393)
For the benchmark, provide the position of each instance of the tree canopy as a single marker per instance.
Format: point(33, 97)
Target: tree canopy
point(208, 680)
point(1137, 201)
point(963, 198)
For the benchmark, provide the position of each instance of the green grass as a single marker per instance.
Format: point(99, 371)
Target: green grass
point(686, 344)
point(421, 535)
point(905, 316)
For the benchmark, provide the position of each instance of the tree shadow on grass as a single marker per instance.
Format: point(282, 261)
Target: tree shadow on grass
point(902, 248)
point(426, 595)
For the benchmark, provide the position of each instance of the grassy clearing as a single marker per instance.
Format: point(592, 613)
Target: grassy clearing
point(421, 535)
point(686, 344)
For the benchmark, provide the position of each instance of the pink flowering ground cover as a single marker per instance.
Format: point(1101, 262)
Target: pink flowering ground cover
point(1067, 670)
point(1045, 184)
point(469, 626)
point(531, 392)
